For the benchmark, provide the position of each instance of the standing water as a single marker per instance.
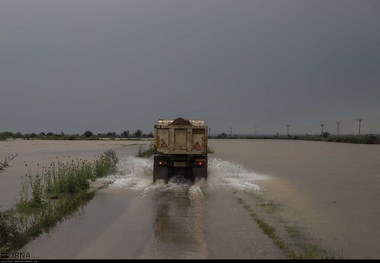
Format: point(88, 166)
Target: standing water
point(134, 218)
point(329, 189)
point(187, 216)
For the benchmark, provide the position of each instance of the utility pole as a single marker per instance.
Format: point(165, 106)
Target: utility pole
point(360, 121)
point(287, 126)
point(209, 132)
point(322, 129)
point(230, 131)
point(338, 122)
point(255, 130)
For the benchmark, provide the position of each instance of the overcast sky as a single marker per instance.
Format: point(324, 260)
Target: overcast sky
point(113, 65)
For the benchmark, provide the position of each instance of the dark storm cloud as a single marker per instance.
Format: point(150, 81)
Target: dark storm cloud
point(113, 65)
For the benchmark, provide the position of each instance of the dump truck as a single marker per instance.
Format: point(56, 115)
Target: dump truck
point(180, 149)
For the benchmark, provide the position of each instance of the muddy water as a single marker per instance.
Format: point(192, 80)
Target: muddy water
point(329, 189)
point(136, 219)
point(34, 154)
point(202, 220)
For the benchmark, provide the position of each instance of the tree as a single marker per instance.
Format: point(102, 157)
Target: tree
point(138, 133)
point(125, 134)
point(111, 134)
point(87, 134)
point(222, 135)
point(325, 134)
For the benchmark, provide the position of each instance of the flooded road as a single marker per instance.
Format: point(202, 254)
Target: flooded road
point(136, 219)
point(329, 190)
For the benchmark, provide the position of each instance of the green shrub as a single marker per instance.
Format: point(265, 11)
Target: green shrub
point(49, 197)
point(146, 153)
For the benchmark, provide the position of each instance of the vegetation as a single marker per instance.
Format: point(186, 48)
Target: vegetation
point(359, 139)
point(297, 250)
point(50, 196)
point(5, 164)
point(87, 135)
point(146, 153)
point(138, 134)
point(210, 151)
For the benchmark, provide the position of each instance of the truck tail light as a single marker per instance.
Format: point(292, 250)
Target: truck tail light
point(199, 163)
point(161, 163)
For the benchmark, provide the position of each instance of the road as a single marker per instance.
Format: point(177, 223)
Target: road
point(174, 221)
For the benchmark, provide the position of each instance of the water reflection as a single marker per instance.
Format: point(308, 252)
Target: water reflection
point(178, 222)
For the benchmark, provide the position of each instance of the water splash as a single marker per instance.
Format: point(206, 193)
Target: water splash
point(195, 191)
point(137, 174)
point(134, 174)
point(224, 173)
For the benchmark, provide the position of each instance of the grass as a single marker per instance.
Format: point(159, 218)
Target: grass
point(146, 153)
point(293, 249)
point(51, 196)
point(269, 207)
point(210, 150)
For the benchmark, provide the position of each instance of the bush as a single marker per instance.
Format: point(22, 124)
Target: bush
point(147, 152)
point(87, 134)
point(9, 227)
point(49, 197)
point(370, 139)
point(5, 164)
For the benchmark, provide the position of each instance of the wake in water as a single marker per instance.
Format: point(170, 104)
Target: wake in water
point(227, 174)
point(137, 173)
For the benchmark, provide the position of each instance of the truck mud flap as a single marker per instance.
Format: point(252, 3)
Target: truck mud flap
point(160, 169)
point(160, 172)
point(200, 172)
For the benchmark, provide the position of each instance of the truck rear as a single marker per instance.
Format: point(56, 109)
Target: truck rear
point(180, 149)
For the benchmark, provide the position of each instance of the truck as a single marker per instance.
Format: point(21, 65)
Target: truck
point(180, 149)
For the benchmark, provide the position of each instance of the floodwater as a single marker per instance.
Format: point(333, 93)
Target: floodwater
point(34, 154)
point(330, 189)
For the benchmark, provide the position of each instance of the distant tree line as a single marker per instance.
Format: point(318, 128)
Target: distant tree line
point(359, 139)
point(87, 135)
